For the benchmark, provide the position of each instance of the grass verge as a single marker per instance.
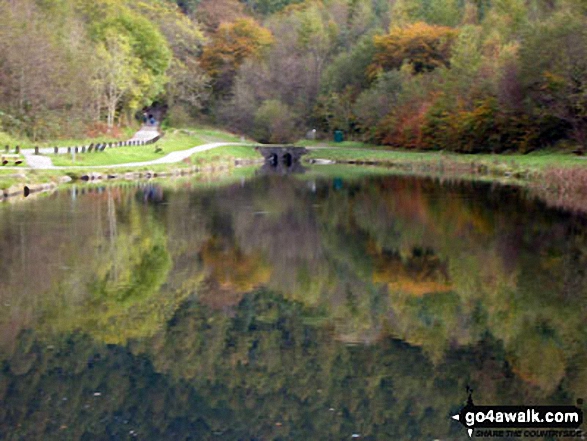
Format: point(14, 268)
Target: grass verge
point(524, 166)
point(559, 179)
point(174, 140)
point(226, 155)
point(120, 155)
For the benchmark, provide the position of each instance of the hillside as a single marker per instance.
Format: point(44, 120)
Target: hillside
point(466, 76)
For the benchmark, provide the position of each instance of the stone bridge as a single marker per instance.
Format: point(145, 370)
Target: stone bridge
point(282, 157)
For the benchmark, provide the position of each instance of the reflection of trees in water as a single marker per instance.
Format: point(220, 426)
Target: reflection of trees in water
point(439, 267)
point(266, 372)
point(112, 230)
point(230, 273)
point(417, 274)
point(490, 262)
point(104, 279)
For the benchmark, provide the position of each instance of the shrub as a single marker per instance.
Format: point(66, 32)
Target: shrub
point(275, 123)
point(484, 128)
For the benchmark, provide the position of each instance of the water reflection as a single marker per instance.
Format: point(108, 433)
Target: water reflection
point(280, 168)
point(285, 308)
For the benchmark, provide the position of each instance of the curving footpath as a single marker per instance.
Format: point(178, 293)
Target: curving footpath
point(146, 133)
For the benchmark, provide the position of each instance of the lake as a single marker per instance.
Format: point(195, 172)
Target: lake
point(307, 307)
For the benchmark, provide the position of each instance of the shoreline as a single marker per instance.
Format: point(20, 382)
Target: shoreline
point(59, 180)
point(550, 173)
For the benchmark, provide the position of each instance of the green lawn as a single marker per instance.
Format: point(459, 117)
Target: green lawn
point(227, 153)
point(9, 178)
point(535, 161)
point(174, 140)
point(8, 140)
point(120, 155)
point(344, 144)
point(73, 142)
point(211, 134)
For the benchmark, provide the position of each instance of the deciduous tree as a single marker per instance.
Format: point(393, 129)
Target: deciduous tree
point(554, 70)
point(422, 46)
point(230, 46)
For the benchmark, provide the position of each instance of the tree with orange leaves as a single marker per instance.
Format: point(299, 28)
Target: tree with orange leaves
point(230, 47)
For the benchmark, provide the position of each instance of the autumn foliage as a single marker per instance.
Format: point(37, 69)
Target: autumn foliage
point(422, 46)
point(230, 46)
point(466, 76)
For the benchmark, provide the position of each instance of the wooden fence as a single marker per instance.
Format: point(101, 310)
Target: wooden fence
point(94, 147)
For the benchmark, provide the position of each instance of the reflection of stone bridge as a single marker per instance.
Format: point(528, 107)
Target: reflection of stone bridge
point(282, 158)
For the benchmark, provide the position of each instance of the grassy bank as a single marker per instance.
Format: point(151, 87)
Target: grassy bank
point(546, 171)
point(226, 155)
point(524, 166)
point(559, 179)
point(174, 140)
point(6, 139)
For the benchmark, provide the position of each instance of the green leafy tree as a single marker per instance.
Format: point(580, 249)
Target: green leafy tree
point(147, 53)
point(188, 87)
point(115, 78)
point(267, 7)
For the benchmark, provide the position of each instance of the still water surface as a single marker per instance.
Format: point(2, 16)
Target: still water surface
point(283, 308)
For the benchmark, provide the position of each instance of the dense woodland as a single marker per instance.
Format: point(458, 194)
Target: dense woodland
point(461, 75)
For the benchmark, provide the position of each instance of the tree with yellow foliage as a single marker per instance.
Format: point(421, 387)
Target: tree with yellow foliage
point(424, 47)
point(230, 47)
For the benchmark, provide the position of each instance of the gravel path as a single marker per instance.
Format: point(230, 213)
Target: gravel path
point(37, 161)
point(170, 158)
point(146, 133)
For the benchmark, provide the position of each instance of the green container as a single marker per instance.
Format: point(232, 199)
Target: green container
point(338, 136)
